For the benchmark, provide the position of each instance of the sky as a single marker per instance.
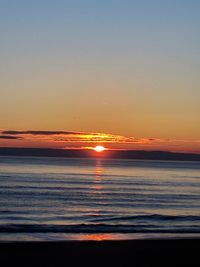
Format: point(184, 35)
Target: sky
point(77, 73)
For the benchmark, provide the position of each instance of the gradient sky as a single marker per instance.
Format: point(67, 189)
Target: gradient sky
point(125, 68)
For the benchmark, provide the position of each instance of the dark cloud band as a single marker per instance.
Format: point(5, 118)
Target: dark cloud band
point(10, 137)
point(40, 132)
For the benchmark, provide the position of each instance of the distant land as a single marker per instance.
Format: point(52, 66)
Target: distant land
point(113, 154)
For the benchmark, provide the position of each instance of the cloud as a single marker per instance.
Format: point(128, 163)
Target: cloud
point(39, 132)
point(76, 137)
point(10, 137)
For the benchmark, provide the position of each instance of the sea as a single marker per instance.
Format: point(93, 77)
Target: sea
point(51, 199)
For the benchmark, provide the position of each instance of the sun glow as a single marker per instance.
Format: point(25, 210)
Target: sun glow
point(99, 148)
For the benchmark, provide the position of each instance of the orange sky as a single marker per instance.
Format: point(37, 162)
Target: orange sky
point(126, 70)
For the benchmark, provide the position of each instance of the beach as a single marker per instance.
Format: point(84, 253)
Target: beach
point(156, 252)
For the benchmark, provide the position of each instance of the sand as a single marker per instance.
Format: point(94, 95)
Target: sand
point(168, 252)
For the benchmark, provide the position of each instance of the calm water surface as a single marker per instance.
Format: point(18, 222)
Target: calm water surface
point(65, 198)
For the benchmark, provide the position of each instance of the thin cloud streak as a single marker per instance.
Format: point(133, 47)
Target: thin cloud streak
point(10, 137)
point(38, 132)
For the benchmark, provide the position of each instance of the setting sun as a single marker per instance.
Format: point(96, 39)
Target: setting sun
point(99, 148)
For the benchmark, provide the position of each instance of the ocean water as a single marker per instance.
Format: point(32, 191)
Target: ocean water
point(96, 199)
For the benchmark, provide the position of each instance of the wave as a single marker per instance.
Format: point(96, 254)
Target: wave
point(93, 228)
point(138, 220)
point(151, 217)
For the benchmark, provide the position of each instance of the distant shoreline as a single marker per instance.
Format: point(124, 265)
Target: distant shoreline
point(111, 154)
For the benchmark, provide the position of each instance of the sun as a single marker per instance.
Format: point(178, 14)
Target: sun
point(99, 148)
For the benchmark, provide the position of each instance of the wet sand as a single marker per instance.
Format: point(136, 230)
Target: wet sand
point(166, 252)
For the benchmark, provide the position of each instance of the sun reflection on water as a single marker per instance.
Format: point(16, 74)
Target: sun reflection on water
point(96, 237)
point(98, 171)
point(97, 187)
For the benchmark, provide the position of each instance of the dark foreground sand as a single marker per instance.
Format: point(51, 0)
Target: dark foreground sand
point(176, 252)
